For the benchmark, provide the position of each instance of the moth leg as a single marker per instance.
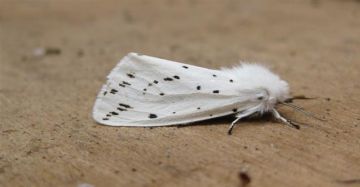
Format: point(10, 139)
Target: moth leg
point(284, 120)
point(232, 125)
point(238, 117)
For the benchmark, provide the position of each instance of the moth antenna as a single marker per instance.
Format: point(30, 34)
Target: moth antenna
point(301, 110)
point(298, 97)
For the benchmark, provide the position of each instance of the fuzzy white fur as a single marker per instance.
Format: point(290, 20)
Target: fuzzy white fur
point(256, 76)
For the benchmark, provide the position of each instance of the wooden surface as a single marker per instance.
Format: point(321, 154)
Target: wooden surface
point(48, 137)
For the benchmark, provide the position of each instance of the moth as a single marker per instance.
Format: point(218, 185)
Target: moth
point(145, 91)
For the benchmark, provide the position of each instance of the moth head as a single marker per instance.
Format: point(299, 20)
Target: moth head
point(256, 76)
point(272, 94)
point(278, 91)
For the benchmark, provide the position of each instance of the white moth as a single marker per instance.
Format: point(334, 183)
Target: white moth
point(147, 91)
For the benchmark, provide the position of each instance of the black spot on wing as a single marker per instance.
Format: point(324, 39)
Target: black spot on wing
point(130, 75)
point(185, 67)
point(114, 113)
point(149, 84)
point(108, 115)
point(214, 75)
point(152, 116)
point(125, 105)
point(234, 110)
point(122, 85)
point(161, 94)
point(216, 91)
point(231, 80)
point(126, 83)
point(155, 81)
point(198, 87)
point(121, 109)
point(105, 119)
point(198, 108)
point(174, 112)
point(168, 79)
point(176, 77)
point(105, 93)
point(113, 91)
point(144, 89)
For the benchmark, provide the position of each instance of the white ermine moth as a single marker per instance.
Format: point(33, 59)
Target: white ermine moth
point(147, 91)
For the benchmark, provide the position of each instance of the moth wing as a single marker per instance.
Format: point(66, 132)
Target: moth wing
point(148, 91)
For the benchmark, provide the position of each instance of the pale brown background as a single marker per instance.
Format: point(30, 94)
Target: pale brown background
point(48, 137)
